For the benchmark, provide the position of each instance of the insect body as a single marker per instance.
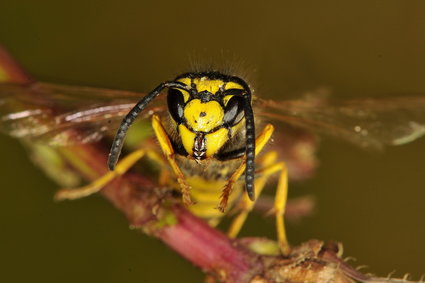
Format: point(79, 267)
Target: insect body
point(207, 111)
point(208, 140)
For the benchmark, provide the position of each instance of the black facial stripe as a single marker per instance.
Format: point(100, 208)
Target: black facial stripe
point(206, 96)
point(234, 91)
point(206, 133)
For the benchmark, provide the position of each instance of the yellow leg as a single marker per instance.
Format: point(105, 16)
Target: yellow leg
point(280, 205)
point(247, 205)
point(123, 166)
point(260, 142)
point(167, 148)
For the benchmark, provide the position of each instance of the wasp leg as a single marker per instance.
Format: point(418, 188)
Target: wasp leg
point(246, 205)
point(123, 166)
point(167, 148)
point(270, 168)
point(260, 142)
point(280, 205)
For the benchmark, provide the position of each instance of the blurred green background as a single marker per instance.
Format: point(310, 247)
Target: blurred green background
point(372, 203)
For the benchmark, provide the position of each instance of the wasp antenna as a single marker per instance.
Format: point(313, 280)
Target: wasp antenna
point(250, 148)
point(118, 142)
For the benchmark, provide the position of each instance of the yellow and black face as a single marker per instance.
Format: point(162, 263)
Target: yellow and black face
point(209, 113)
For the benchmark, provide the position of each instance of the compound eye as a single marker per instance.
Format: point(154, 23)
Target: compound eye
point(175, 100)
point(233, 112)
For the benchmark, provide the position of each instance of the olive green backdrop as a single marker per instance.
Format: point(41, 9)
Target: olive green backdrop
point(373, 203)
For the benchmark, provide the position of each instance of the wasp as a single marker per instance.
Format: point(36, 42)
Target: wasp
point(210, 132)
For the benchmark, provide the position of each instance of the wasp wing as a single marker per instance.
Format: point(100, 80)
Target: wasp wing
point(371, 123)
point(64, 115)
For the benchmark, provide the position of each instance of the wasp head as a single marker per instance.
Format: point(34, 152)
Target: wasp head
point(209, 113)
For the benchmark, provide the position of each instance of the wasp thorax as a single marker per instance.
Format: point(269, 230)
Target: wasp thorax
point(203, 117)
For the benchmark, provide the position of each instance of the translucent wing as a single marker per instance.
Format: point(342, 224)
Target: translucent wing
point(365, 122)
point(53, 113)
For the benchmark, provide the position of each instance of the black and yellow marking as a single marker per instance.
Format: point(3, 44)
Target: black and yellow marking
point(208, 140)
